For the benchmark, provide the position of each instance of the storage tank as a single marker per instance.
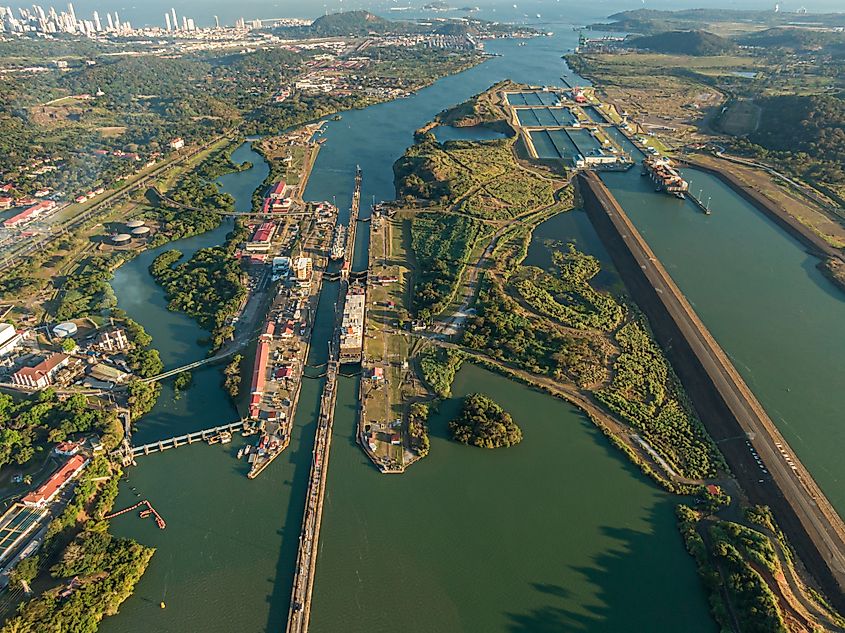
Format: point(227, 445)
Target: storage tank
point(63, 330)
point(141, 230)
point(134, 224)
point(121, 238)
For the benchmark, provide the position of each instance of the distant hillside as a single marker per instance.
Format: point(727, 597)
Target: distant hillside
point(650, 21)
point(683, 43)
point(351, 23)
point(794, 38)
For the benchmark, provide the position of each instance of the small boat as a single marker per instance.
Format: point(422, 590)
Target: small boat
point(336, 117)
point(240, 453)
point(162, 605)
point(225, 437)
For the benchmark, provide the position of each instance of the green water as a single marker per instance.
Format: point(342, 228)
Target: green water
point(760, 294)
point(559, 533)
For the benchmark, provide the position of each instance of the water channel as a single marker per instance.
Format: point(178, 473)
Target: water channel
point(558, 533)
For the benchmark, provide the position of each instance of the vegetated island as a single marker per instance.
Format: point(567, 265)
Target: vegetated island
point(484, 423)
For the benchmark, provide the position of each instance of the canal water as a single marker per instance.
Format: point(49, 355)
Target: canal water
point(558, 533)
point(225, 561)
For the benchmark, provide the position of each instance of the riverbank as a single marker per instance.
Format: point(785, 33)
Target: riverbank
point(727, 407)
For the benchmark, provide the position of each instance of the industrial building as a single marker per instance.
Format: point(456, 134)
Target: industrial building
point(302, 269)
point(260, 240)
point(42, 374)
point(9, 339)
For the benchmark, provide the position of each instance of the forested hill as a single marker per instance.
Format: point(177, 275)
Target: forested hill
point(350, 23)
point(794, 38)
point(809, 131)
point(683, 43)
point(649, 21)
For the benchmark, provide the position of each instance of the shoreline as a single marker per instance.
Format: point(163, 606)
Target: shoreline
point(724, 402)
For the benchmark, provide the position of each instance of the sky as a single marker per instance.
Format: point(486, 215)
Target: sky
point(151, 12)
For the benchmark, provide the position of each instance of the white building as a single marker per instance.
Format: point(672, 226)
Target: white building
point(9, 339)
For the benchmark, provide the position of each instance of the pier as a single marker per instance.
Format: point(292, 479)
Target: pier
point(353, 219)
point(306, 559)
point(127, 454)
point(299, 612)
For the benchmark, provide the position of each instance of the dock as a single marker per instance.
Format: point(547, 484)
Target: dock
point(128, 454)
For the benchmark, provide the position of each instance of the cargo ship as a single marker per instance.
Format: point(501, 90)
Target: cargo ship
point(352, 325)
point(339, 242)
point(665, 176)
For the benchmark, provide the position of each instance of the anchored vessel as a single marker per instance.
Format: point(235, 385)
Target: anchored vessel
point(352, 325)
point(665, 176)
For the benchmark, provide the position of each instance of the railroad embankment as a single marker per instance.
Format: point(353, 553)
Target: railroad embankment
point(725, 404)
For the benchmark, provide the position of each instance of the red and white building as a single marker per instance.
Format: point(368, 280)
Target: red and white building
point(48, 491)
point(177, 143)
point(42, 374)
point(30, 213)
point(260, 240)
point(259, 371)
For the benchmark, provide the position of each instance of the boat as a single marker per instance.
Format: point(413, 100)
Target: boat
point(225, 437)
point(337, 117)
point(338, 250)
point(665, 176)
point(352, 325)
point(240, 453)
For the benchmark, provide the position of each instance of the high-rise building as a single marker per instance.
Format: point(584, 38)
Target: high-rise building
point(191, 26)
point(184, 23)
point(175, 21)
point(71, 12)
point(109, 20)
point(167, 21)
point(216, 22)
point(116, 21)
point(97, 26)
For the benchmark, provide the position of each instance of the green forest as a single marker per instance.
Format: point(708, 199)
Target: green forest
point(483, 423)
point(29, 425)
point(208, 287)
point(805, 132)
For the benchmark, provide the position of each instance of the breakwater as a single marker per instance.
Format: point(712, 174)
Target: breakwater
point(725, 404)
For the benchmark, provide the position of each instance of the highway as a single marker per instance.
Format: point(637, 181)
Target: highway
point(784, 474)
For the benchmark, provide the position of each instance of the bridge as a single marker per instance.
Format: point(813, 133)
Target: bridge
point(127, 453)
point(190, 366)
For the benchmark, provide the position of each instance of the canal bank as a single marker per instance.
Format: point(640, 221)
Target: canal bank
point(226, 536)
point(730, 412)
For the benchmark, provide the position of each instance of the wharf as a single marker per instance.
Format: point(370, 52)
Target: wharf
point(353, 219)
point(262, 462)
point(306, 559)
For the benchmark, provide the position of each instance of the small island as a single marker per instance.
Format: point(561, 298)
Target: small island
point(484, 423)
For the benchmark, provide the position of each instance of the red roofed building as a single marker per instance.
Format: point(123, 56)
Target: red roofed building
point(259, 371)
point(278, 191)
point(29, 214)
point(6, 202)
point(260, 240)
point(45, 493)
point(42, 374)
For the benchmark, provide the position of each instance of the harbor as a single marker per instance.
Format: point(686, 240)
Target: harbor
point(368, 539)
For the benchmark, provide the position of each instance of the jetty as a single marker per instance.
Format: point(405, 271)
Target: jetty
point(149, 511)
point(127, 454)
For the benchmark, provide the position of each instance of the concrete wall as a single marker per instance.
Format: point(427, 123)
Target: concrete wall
point(723, 402)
